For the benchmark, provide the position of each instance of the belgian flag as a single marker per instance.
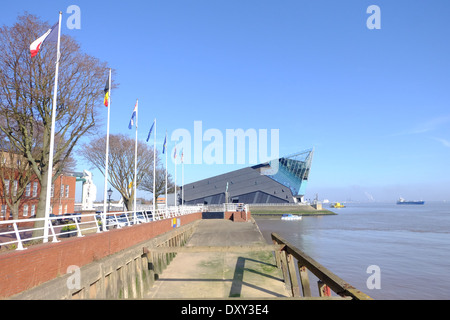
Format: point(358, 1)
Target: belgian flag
point(106, 101)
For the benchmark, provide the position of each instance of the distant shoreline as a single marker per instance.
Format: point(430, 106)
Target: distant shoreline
point(280, 210)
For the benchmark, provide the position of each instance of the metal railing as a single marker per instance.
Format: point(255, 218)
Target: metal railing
point(226, 207)
point(286, 259)
point(297, 204)
point(17, 233)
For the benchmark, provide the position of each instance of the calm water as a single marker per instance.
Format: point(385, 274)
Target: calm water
point(410, 244)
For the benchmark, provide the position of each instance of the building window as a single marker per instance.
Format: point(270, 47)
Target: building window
point(52, 192)
point(67, 191)
point(65, 208)
point(3, 211)
point(25, 210)
point(28, 190)
point(60, 209)
point(7, 187)
point(33, 210)
point(61, 194)
point(35, 187)
point(15, 184)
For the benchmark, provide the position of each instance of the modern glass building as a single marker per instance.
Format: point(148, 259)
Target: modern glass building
point(282, 180)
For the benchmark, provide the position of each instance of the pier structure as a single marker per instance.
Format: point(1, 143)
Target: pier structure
point(199, 255)
point(222, 259)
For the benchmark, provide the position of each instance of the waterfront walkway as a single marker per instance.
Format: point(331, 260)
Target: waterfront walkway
point(222, 271)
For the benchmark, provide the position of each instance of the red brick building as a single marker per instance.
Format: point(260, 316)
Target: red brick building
point(62, 198)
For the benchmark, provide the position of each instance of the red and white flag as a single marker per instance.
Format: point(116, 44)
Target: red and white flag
point(50, 35)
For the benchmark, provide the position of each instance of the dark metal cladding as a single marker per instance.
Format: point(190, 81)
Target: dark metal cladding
point(282, 180)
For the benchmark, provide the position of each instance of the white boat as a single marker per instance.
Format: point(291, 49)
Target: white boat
point(289, 216)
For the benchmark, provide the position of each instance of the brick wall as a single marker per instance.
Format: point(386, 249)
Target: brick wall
point(238, 216)
point(23, 270)
point(62, 201)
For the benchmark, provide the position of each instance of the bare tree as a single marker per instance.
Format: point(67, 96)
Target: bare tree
point(16, 173)
point(121, 163)
point(15, 176)
point(26, 97)
point(160, 185)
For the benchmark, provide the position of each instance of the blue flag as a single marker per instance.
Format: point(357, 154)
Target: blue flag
point(164, 145)
point(151, 129)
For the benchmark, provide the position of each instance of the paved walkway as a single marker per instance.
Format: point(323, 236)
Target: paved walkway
point(221, 275)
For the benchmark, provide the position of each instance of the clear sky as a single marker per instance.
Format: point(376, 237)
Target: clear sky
point(373, 103)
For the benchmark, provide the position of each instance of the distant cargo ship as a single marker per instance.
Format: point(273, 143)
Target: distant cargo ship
point(403, 201)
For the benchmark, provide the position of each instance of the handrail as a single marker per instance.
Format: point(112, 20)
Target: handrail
point(289, 204)
point(225, 207)
point(79, 224)
point(285, 260)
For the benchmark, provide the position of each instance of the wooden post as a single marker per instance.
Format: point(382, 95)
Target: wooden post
point(151, 269)
point(145, 271)
point(293, 276)
point(139, 278)
point(132, 270)
point(324, 290)
point(277, 256)
point(164, 262)
point(332, 281)
point(304, 280)
point(284, 268)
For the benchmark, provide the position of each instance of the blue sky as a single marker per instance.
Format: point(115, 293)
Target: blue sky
point(373, 103)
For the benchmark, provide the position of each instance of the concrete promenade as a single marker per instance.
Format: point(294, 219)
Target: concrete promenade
point(222, 274)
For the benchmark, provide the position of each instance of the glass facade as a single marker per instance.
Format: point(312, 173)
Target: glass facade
point(263, 183)
point(293, 171)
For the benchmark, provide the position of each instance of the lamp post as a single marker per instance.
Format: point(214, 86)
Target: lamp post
point(109, 199)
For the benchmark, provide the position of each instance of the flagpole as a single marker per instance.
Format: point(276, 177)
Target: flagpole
point(154, 174)
point(106, 157)
point(166, 175)
point(135, 160)
point(182, 180)
point(52, 136)
point(175, 192)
